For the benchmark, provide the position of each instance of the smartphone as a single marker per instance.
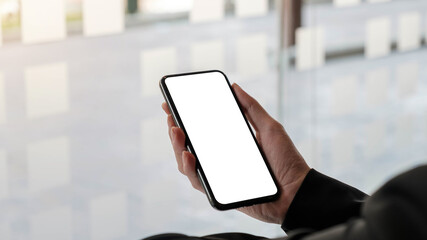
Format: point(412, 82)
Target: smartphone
point(230, 164)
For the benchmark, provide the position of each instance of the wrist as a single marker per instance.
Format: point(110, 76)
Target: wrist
point(289, 191)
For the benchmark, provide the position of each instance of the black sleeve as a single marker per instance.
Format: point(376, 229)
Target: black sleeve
point(398, 210)
point(322, 202)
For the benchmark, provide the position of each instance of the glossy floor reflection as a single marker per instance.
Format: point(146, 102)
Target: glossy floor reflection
point(84, 152)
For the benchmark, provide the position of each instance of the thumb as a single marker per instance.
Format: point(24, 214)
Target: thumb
point(256, 114)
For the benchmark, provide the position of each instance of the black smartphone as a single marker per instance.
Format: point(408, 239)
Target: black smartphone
point(230, 164)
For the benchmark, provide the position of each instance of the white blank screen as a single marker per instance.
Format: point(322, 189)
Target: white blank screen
point(221, 139)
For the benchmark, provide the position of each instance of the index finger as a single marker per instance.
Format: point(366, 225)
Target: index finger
point(255, 113)
point(165, 108)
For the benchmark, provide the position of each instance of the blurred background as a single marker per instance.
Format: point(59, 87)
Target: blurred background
point(84, 150)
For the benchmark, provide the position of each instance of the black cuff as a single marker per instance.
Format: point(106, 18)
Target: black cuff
point(322, 202)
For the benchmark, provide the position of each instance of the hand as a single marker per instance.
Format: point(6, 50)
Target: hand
point(287, 164)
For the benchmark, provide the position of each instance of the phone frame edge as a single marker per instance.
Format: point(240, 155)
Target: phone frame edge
point(199, 170)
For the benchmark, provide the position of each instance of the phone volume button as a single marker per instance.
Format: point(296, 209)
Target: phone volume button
point(174, 119)
point(188, 148)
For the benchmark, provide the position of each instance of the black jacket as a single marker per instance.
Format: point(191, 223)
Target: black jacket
point(326, 209)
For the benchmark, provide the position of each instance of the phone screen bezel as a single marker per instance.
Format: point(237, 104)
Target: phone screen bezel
point(211, 197)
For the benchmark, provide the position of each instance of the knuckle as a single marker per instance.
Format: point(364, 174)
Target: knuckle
point(193, 184)
point(275, 126)
point(251, 106)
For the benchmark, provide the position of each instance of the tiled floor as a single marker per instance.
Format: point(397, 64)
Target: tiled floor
point(84, 152)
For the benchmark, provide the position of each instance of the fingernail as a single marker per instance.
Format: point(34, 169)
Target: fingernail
point(183, 161)
point(238, 86)
point(173, 133)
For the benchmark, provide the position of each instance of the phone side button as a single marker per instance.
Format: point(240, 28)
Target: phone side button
point(189, 149)
point(204, 186)
point(174, 120)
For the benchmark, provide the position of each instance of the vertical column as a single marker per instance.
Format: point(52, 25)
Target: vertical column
point(251, 8)
point(42, 20)
point(290, 21)
point(310, 50)
point(377, 42)
point(346, 3)
point(207, 11)
point(101, 17)
point(409, 31)
point(132, 6)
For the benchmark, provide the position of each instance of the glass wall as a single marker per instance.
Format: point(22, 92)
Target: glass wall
point(354, 88)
